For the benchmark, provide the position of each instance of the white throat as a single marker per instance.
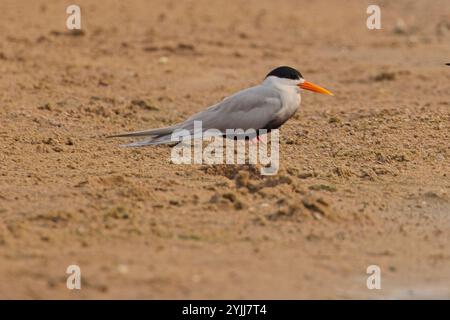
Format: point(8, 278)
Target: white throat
point(289, 94)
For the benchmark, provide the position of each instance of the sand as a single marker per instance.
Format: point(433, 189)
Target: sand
point(364, 176)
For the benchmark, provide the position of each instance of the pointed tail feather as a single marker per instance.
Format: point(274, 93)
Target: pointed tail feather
point(152, 141)
point(151, 132)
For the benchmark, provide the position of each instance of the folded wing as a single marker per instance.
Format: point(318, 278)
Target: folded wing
point(252, 108)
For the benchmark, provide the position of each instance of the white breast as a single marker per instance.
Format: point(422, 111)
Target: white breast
point(291, 99)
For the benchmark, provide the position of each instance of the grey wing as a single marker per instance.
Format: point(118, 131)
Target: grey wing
point(252, 108)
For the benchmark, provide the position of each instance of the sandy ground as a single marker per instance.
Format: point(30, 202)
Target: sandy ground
point(364, 177)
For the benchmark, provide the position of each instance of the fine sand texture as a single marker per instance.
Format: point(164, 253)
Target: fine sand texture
point(364, 176)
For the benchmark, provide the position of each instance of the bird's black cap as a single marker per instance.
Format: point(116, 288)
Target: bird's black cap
point(285, 72)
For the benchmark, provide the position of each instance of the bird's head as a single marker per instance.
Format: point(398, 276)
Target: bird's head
point(290, 76)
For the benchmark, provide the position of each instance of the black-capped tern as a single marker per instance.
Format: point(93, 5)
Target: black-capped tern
point(264, 106)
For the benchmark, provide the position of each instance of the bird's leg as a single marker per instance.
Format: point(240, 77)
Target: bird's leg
point(262, 139)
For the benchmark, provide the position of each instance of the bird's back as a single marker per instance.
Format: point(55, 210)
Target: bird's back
point(251, 108)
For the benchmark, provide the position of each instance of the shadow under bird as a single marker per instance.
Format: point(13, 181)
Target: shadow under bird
point(264, 106)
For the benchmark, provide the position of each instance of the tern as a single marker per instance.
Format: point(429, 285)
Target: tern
point(265, 106)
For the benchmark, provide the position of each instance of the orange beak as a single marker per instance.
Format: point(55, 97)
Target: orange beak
point(314, 87)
